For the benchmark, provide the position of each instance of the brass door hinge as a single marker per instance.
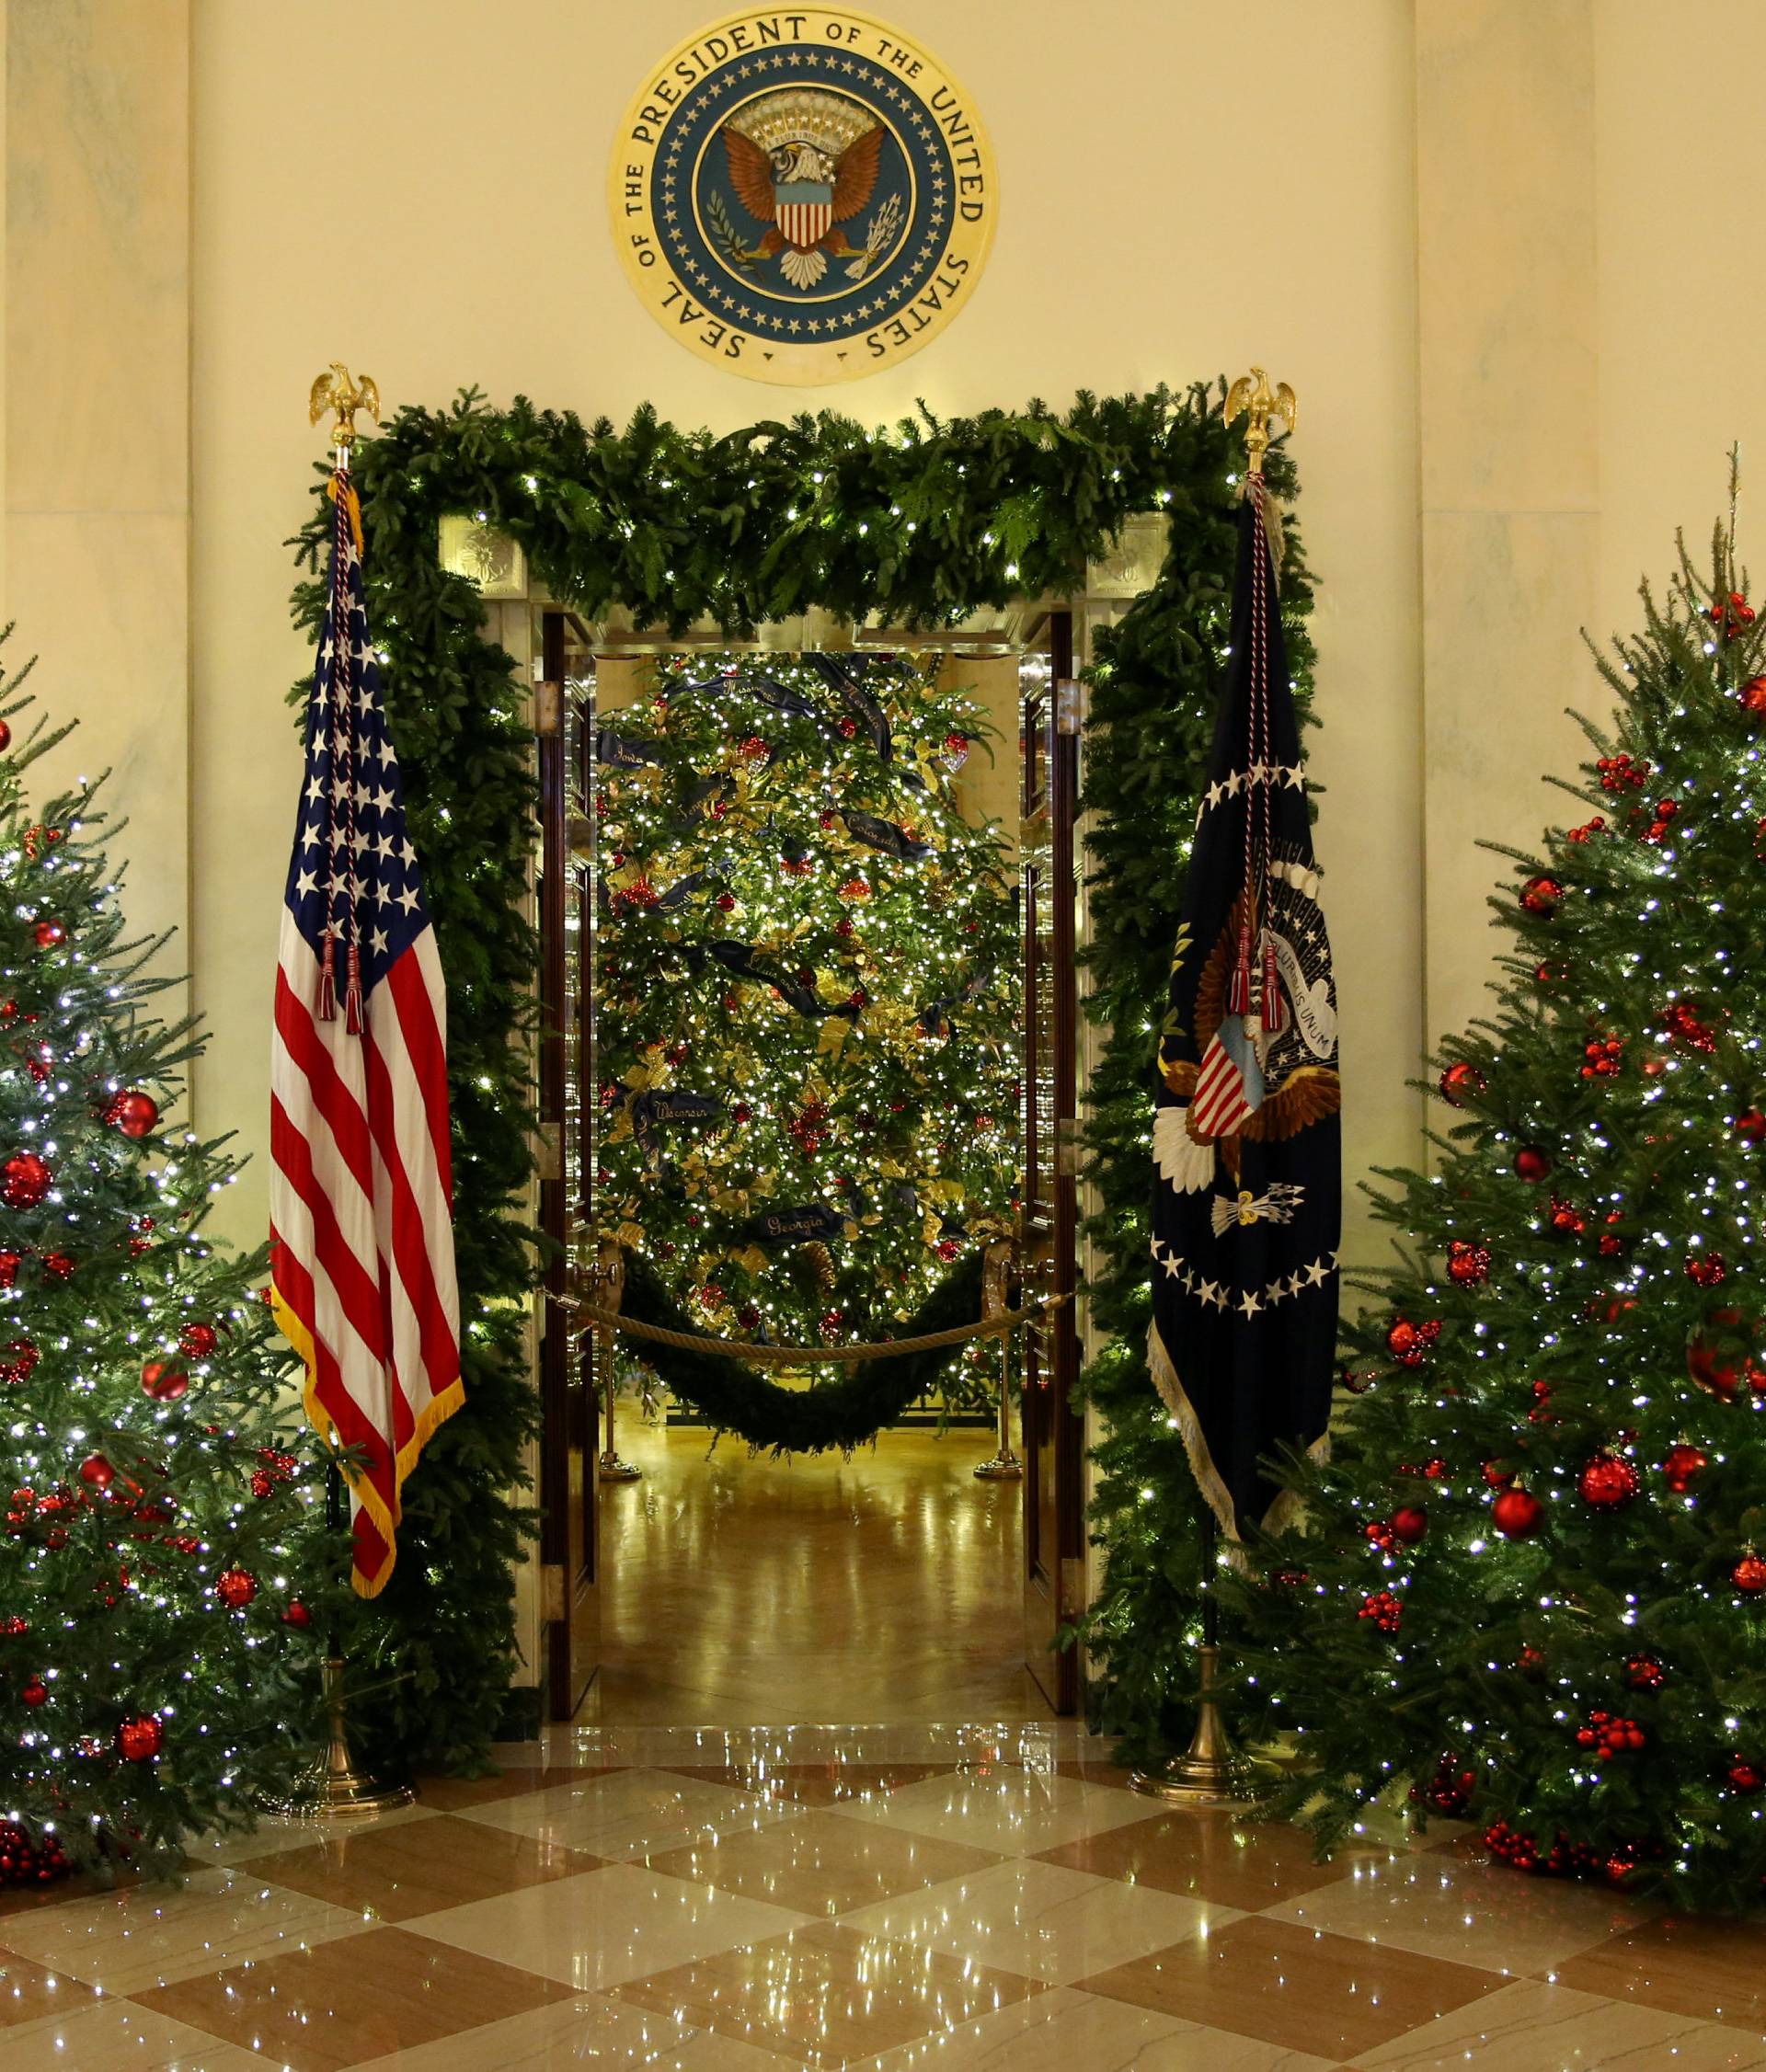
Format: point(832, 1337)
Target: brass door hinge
point(548, 707)
point(1073, 1585)
point(552, 1605)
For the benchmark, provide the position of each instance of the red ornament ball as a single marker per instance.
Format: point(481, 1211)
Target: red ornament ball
point(17, 1359)
point(6, 736)
point(1532, 1163)
point(24, 1180)
point(10, 1262)
point(726, 902)
point(1706, 1269)
point(197, 1340)
point(57, 1266)
point(1682, 1466)
point(296, 1614)
point(96, 1472)
point(235, 1587)
point(48, 934)
point(1609, 1483)
point(163, 1382)
point(1749, 1575)
point(1409, 1524)
point(132, 1112)
point(1517, 1514)
point(1467, 1263)
point(1409, 1342)
point(1460, 1083)
point(35, 1691)
point(140, 1739)
point(1751, 697)
point(1745, 1777)
point(1643, 1672)
point(1541, 895)
point(1750, 1125)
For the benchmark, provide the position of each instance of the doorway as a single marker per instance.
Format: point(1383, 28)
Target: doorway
point(724, 1587)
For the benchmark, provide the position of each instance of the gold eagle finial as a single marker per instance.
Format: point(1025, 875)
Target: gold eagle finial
point(1252, 396)
point(334, 390)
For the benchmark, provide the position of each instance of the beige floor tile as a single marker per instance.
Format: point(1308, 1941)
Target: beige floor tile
point(1714, 1970)
point(1043, 1922)
point(456, 1795)
point(1206, 1855)
point(127, 1941)
point(828, 1783)
point(1531, 2027)
point(381, 1993)
point(596, 1931)
point(1440, 1906)
point(828, 1994)
point(121, 2036)
point(1070, 2032)
point(588, 2032)
point(396, 1873)
point(1308, 1992)
point(819, 1864)
point(271, 1835)
point(28, 1991)
point(631, 1813)
point(1013, 1811)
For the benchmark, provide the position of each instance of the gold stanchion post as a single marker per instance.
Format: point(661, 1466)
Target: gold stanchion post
point(610, 1288)
point(996, 1266)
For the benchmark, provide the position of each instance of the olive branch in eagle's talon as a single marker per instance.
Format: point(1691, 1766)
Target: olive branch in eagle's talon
point(879, 238)
point(727, 239)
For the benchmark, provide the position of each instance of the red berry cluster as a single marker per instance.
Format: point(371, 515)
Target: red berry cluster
point(1730, 614)
point(1619, 773)
point(1643, 1672)
point(1410, 1343)
point(1751, 697)
point(1449, 1790)
point(1745, 1777)
point(808, 1126)
point(1520, 1851)
point(1468, 1264)
point(640, 892)
point(1609, 1735)
point(1706, 1269)
point(1596, 826)
point(1603, 1055)
point(1566, 1216)
point(1666, 811)
point(1680, 1019)
point(1385, 1609)
point(278, 1468)
point(25, 1862)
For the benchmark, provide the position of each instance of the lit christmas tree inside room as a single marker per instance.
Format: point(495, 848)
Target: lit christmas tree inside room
point(806, 993)
point(150, 1636)
point(1531, 1589)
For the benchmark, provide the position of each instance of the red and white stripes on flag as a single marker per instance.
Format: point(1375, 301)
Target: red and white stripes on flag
point(362, 1235)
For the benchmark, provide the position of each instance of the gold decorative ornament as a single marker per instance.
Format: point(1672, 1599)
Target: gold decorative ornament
point(802, 198)
point(334, 390)
point(1252, 397)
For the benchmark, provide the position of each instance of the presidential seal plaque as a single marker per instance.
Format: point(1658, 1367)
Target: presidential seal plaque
point(802, 197)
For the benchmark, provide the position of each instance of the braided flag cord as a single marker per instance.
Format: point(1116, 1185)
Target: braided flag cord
point(1248, 1191)
point(362, 1235)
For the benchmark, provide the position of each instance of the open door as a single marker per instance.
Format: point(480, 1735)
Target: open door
point(569, 1547)
point(1054, 1526)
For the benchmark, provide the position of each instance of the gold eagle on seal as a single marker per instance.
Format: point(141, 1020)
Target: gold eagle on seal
point(803, 162)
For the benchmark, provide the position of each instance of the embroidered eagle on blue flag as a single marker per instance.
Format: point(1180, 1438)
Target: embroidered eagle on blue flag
point(1247, 1190)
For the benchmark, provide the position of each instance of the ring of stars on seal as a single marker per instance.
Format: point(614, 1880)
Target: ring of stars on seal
point(802, 197)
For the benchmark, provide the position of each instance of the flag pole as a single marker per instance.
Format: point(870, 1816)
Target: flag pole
point(335, 1787)
point(1214, 1770)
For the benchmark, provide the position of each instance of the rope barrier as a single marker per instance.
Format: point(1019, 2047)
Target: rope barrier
point(804, 1355)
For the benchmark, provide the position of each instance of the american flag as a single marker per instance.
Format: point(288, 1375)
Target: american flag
point(361, 1234)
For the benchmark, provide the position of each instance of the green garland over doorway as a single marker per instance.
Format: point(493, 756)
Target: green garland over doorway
point(918, 525)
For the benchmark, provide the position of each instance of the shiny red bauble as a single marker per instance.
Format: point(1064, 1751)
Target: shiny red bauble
point(6, 736)
point(57, 1266)
point(1541, 895)
point(1749, 1575)
point(1751, 697)
point(1409, 1524)
point(1682, 1466)
point(235, 1587)
point(197, 1340)
point(1609, 1483)
point(296, 1614)
point(1750, 1125)
point(1532, 1163)
point(10, 1262)
point(1468, 1264)
point(17, 1359)
point(1409, 1342)
point(1460, 1083)
point(132, 1112)
point(163, 1382)
point(24, 1180)
point(140, 1739)
point(48, 934)
point(96, 1472)
point(1745, 1777)
point(35, 1691)
point(1517, 1512)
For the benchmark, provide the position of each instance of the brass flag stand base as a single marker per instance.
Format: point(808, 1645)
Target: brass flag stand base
point(1005, 1466)
point(1213, 1771)
point(334, 1789)
point(609, 1285)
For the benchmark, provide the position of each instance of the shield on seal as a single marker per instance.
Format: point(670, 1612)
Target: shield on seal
point(804, 213)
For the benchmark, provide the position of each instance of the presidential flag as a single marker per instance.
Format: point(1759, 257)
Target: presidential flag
point(1247, 1192)
point(362, 1232)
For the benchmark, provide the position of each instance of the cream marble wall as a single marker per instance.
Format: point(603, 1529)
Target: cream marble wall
point(97, 384)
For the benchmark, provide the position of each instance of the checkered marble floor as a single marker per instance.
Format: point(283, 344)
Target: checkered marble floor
point(764, 1900)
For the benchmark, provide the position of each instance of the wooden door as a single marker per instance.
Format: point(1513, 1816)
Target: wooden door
point(569, 1547)
point(1054, 1531)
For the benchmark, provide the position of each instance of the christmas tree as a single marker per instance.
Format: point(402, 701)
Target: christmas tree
point(1532, 1590)
point(805, 993)
point(150, 1643)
